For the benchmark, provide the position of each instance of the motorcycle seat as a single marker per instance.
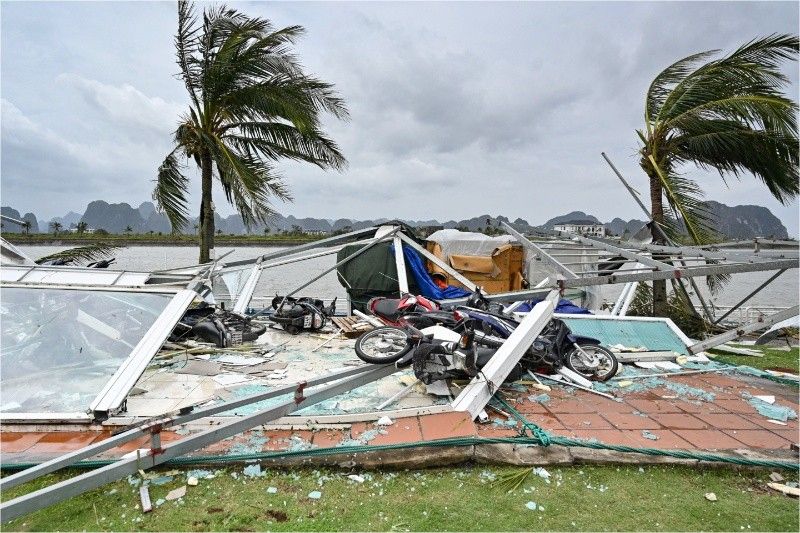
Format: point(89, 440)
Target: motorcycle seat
point(387, 308)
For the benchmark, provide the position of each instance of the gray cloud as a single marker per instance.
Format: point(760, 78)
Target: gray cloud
point(457, 109)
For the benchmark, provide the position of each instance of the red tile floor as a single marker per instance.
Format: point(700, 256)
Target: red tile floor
point(658, 417)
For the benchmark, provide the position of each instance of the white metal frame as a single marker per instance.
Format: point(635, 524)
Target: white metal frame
point(480, 390)
point(400, 263)
point(117, 388)
point(112, 395)
point(246, 294)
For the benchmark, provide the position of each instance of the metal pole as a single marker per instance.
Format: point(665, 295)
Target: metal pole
point(761, 323)
point(480, 390)
point(438, 262)
point(330, 251)
point(164, 421)
point(688, 272)
point(303, 247)
point(11, 509)
point(628, 299)
point(643, 259)
point(627, 186)
point(660, 230)
point(400, 263)
point(246, 294)
point(621, 299)
point(552, 261)
point(756, 291)
point(343, 261)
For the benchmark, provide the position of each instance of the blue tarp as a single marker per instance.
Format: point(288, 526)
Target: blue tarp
point(563, 306)
point(426, 285)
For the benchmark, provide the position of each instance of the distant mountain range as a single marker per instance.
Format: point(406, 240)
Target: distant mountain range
point(737, 222)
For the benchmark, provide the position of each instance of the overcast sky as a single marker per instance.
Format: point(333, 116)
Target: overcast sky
point(458, 109)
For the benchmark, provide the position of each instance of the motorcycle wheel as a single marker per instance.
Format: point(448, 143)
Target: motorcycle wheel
point(383, 345)
point(605, 370)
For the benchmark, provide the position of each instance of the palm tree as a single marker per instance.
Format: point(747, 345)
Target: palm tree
point(251, 104)
point(26, 226)
point(56, 227)
point(727, 114)
point(128, 230)
point(81, 227)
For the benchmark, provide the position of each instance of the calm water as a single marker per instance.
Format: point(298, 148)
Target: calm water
point(783, 292)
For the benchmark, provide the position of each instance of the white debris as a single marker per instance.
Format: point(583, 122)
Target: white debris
point(356, 478)
point(176, 494)
point(192, 481)
point(272, 490)
point(767, 399)
point(541, 472)
point(384, 421)
point(710, 496)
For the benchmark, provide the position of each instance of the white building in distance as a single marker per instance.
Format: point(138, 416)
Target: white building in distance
point(582, 227)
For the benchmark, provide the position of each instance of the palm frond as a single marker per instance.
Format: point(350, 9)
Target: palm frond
point(249, 184)
point(730, 147)
point(753, 69)
point(91, 252)
point(729, 115)
point(185, 45)
point(298, 100)
point(511, 481)
point(171, 190)
point(274, 140)
point(662, 86)
point(685, 198)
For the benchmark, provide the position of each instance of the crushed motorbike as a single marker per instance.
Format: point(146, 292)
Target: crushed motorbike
point(296, 314)
point(223, 328)
point(488, 327)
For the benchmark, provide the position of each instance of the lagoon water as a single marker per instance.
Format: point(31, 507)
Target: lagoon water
point(783, 292)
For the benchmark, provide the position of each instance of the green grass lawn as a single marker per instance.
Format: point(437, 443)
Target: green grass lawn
point(774, 358)
point(462, 498)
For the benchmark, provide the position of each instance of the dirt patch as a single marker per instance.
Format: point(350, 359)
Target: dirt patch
point(212, 510)
point(278, 516)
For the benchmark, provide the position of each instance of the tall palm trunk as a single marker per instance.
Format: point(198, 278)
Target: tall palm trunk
point(206, 210)
point(657, 209)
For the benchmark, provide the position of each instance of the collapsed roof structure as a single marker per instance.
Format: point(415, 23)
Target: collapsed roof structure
point(75, 341)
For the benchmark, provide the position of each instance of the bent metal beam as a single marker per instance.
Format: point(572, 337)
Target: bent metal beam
point(66, 489)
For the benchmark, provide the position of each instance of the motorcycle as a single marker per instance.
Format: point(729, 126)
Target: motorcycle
point(488, 326)
point(223, 328)
point(297, 314)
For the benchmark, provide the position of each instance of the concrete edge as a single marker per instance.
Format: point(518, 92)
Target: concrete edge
point(512, 455)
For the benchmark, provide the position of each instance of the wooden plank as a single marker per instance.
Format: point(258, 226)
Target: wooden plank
point(350, 326)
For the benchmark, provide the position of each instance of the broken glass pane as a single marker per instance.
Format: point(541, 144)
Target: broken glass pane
point(60, 346)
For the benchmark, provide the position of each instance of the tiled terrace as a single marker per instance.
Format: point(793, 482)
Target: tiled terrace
point(658, 417)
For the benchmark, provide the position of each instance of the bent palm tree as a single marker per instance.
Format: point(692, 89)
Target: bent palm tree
point(727, 114)
point(251, 105)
